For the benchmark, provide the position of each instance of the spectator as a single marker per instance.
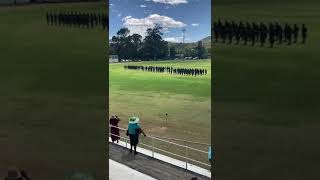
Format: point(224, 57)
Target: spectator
point(133, 132)
point(115, 134)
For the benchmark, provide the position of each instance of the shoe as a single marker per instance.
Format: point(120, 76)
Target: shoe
point(130, 150)
point(135, 153)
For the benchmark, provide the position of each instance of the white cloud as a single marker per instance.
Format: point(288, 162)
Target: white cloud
point(166, 30)
point(127, 17)
point(140, 26)
point(111, 4)
point(195, 24)
point(171, 2)
point(119, 14)
point(177, 39)
point(173, 39)
point(143, 6)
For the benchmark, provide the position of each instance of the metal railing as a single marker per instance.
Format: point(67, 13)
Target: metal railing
point(153, 148)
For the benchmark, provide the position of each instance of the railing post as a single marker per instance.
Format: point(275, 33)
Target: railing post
point(186, 157)
point(152, 147)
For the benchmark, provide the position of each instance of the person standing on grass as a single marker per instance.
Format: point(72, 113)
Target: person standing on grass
point(114, 120)
point(133, 132)
point(304, 32)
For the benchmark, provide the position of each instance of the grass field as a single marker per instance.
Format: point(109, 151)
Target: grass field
point(187, 100)
point(266, 101)
point(53, 90)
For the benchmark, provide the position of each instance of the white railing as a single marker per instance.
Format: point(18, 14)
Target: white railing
point(186, 156)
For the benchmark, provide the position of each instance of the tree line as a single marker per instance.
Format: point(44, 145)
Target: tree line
point(151, 47)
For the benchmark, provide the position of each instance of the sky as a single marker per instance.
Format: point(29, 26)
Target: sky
point(172, 15)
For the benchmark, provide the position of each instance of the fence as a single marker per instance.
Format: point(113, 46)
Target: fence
point(183, 153)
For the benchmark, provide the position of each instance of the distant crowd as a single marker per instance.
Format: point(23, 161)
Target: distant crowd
point(261, 33)
point(170, 70)
point(78, 19)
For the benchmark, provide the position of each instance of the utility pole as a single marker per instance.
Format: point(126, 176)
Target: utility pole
point(183, 35)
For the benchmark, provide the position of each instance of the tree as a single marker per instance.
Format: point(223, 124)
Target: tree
point(200, 51)
point(136, 41)
point(123, 33)
point(120, 44)
point(173, 52)
point(154, 47)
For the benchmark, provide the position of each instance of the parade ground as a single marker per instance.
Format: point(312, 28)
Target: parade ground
point(149, 95)
point(266, 100)
point(185, 99)
point(53, 93)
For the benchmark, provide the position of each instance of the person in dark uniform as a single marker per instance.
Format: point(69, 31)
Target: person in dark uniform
point(279, 32)
point(55, 19)
point(304, 32)
point(271, 34)
point(133, 131)
point(48, 20)
point(229, 32)
point(289, 35)
point(233, 27)
point(224, 32)
point(51, 19)
point(247, 33)
point(237, 34)
point(115, 133)
point(295, 33)
point(256, 30)
point(263, 35)
point(219, 26)
point(252, 35)
point(241, 30)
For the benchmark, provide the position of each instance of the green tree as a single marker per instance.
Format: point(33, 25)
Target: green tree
point(120, 44)
point(154, 47)
point(200, 50)
point(173, 52)
point(136, 41)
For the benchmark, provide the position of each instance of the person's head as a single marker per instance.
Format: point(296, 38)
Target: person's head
point(133, 120)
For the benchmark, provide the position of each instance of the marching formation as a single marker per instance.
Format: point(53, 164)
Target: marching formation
point(170, 70)
point(78, 19)
point(258, 33)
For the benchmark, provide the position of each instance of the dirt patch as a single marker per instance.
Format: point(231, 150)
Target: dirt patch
point(158, 130)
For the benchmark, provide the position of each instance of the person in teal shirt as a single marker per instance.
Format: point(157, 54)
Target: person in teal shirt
point(133, 131)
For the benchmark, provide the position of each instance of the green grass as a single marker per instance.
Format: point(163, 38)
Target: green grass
point(187, 100)
point(267, 100)
point(152, 95)
point(53, 81)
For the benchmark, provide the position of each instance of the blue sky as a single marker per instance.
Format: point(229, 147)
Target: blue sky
point(173, 15)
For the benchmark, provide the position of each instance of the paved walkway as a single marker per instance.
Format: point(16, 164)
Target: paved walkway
point(119, 171)
point(150, 166)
